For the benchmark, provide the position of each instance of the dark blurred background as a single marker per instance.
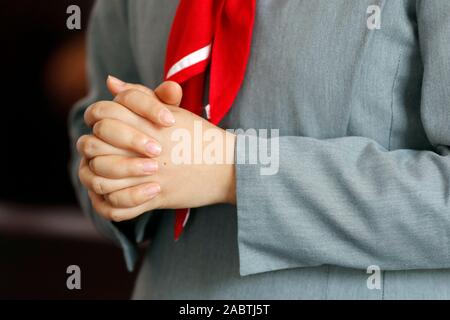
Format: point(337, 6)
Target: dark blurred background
point(42, 230)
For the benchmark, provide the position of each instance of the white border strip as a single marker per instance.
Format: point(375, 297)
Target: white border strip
point(191, 59)
point(187, 218)
point(208, 111)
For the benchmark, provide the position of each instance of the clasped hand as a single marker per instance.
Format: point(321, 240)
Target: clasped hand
point(126, 162)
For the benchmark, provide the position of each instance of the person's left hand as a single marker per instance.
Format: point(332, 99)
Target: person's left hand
point(195, 182)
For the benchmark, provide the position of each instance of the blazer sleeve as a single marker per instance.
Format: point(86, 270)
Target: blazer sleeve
point(350, 202)
point(109, 52)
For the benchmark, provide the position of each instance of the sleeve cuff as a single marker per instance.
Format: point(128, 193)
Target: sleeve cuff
point(259, 213)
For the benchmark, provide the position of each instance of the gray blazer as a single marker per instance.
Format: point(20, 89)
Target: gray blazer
point(364, 178)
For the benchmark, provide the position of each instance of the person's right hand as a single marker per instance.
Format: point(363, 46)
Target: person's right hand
point(113, 158)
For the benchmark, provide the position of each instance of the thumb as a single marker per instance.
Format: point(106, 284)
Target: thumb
point(170, 93)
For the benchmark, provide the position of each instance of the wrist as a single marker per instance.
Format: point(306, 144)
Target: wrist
point(230, 169)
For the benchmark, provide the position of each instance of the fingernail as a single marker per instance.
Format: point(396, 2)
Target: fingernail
point(117, 82)
point(167, 117)
point(152, 190)
point(150, 166)
point(153, 148)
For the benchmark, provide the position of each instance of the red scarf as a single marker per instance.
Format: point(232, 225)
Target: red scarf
point(215, 33)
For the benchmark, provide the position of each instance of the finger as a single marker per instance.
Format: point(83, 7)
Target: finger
point(115, 86)
point(148, 106)
point(90, 146)
point(118, 167)
point(134, 196)
point(102, 186)
point(123, 136)
point(170, 92)
point(107, 211)
point(112, 110)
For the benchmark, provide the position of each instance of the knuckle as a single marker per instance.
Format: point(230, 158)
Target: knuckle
point(87, 114)
point(98, 109)
point(113, 199)
point(98, 185)
point(128, 96)
point(81, 143)
point(100, 127)
point(88, 146)
point(95, 111)
point(144, 89)
point(115, 215)
point(93, 165)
